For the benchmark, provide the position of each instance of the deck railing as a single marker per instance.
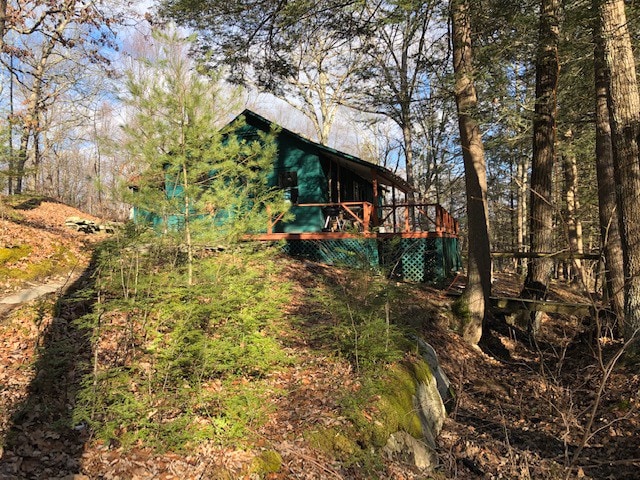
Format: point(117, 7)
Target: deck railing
point(364, 217)
point(417, 217)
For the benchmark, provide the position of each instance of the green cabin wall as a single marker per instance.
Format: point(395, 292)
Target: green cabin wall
point(317, 181)
point(314, 172)
point(312, 182)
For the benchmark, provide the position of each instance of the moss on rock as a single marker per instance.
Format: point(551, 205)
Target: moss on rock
point(333, 442)
point(388, 404)
point(267, 462)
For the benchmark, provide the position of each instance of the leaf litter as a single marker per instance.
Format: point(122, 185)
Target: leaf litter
point(520, 410)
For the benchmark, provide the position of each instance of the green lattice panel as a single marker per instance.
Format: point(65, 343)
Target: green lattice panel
point(413, 259)
point(416, 259)
point(423, 260)
point(355, 253)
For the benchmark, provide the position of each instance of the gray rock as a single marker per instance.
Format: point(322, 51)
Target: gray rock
point(403, 446)
point(431, 410)
point(431, 357)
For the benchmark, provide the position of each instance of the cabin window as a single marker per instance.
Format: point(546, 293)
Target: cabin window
point(357, 192)
point(288, 181)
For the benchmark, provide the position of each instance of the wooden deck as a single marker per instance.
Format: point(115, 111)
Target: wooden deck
point(347, 234)
point(345, 220)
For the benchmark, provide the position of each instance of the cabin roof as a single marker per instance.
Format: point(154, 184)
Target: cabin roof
point(362, 168)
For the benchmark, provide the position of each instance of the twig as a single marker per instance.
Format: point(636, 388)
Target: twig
point(596, 403)
point(628, 461)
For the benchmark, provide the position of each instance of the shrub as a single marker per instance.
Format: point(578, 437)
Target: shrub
point(164, 354)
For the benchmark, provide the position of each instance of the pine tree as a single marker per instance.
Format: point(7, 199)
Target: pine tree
point(624, 102)
point(196, 181)
point(544, 155)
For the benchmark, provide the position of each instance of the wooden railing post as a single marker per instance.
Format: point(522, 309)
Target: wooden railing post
point(407, 226)
point(439, 218)
point(367, 209)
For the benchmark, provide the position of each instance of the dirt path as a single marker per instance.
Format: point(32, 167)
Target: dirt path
point(55, 285)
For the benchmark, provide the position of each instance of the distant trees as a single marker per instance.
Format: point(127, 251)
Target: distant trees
point(57, 57)
point(51, 48)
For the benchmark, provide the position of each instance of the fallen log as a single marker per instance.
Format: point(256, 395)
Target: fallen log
point(558, 255)
point(510, 305)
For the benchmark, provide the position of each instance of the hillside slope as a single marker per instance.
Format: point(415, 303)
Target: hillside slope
point(522, 408)
point(36, 244)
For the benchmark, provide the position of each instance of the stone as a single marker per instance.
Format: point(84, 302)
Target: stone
point(430, 409)
point(430, 356)
point(403, 446)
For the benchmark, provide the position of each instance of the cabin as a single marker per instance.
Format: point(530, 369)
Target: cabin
point(351, 212)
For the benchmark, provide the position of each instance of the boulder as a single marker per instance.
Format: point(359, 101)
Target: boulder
point(402, 446)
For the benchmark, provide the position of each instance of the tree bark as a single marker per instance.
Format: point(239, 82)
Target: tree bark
point(544, 155)
point(608, 213)
point(624, 111)
point(476, 295)
point(3, 22)
point(522, 184)
point(575, 269)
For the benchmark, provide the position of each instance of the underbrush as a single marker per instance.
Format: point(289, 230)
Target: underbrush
point(362, 323)
point(173, 363)
point(362, 318)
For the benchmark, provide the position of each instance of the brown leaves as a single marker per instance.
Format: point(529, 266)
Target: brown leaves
point(510, 420)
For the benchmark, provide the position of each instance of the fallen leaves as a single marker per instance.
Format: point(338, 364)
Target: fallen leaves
point(509, 421)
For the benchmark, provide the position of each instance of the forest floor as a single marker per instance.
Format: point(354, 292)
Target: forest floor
point(550, 408)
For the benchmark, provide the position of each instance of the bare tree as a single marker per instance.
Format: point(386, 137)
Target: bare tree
point(475, 299)
point(544, 155)
point(53, 45)
point(406, 45)
point(624, 102)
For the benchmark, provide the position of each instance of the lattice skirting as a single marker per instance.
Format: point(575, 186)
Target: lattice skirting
point(423, 260)
point(354, 253)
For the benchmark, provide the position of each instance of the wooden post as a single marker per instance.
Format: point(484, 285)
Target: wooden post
point(339, 186)
point(376, 199)
point(393, 205)
point(439, 218)
point(366, 214)
point(406, 219)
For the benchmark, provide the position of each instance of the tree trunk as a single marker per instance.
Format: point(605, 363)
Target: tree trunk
point(522, 180)
point(21, 161)
point(608, 213)
point(31, 119)
point(543, 159)
point(624, 111)
point(407, 136)
point(575, 269)
point(3, 22)
point(478, 290)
